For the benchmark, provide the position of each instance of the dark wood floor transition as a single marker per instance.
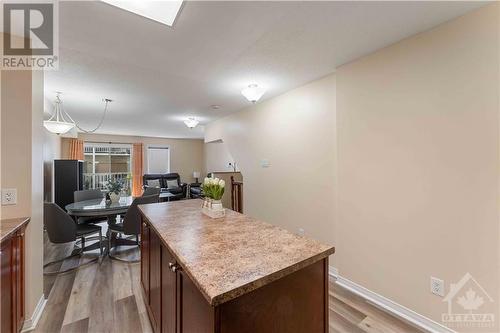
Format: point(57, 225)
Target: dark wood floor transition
point(107, 298)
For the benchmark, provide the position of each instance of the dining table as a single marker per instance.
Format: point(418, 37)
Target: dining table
point(99, 207)
point(104, 208)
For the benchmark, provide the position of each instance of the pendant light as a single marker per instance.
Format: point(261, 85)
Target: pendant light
point(61, 122)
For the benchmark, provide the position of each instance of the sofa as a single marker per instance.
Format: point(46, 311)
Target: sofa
point(168, 182)
point(195, 191)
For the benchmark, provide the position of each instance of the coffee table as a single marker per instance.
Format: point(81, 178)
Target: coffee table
point(165, 196)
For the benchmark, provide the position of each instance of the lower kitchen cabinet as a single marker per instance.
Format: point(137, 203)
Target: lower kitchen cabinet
point(195, 314)
point(174, 303)
point(168, 292)
point(145, 260)
point(155, 281)
point(12, 282)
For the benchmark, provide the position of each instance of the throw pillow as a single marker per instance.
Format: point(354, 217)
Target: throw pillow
point(171, 183)
point(153, 183)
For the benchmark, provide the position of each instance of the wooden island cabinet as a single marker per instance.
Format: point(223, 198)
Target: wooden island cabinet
point(228, 275)
point(12, 274)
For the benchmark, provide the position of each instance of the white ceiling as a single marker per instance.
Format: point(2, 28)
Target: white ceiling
point(158, 76)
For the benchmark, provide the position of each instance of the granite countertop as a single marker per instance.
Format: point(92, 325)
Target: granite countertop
point(9, 226)
point(231, 256)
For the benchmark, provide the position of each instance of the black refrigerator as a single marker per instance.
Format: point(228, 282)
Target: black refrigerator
point(68, 178)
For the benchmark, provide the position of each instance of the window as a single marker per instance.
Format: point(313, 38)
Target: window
point(158, 159)
point(104, 162)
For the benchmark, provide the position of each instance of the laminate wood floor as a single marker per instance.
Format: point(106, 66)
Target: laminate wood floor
point(350, 313)
point(106, 297)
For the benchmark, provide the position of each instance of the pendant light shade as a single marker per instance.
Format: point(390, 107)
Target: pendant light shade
point(253, 93)
point(57, 127)
point(60, 122)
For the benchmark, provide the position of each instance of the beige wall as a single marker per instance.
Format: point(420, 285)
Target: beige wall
point(295, 132)
point(16, 140)
point(34, 234)
point(21, 167)
point(418, 163)
point(51, 152)
point(186, 155)
point(217, 157)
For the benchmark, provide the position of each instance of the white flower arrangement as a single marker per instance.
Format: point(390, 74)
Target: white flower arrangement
point(213, 188)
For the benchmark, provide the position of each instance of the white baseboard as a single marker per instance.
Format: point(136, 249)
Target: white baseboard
point(333, 271)
point(30, 324)
point(390, 306)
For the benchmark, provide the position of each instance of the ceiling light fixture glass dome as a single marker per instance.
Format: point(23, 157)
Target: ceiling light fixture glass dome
point(191, 122)
point(253, 93)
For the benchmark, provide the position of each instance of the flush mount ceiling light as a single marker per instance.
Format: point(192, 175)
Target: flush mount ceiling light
point(161, 11)
point(253, 93)
point(61, 122)
point(191, 122)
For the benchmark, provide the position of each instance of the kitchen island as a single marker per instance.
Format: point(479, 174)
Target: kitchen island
point(234, 274)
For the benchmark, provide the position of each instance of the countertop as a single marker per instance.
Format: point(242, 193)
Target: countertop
point(228, 257)
point(9, 226)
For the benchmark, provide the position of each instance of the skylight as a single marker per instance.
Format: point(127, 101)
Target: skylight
point(161, 11)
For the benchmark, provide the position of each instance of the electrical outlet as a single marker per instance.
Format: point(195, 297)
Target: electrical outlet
point(9, 196)
point(437, 286)
point(264, 163)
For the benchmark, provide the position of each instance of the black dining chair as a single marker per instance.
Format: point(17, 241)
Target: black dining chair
point(89, 195)
point(61, 228)
point(131, 224)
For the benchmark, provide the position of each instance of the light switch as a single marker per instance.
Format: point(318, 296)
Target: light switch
point(9, 196)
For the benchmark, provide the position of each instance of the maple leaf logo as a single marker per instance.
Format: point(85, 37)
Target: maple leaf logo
point(470, 301)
